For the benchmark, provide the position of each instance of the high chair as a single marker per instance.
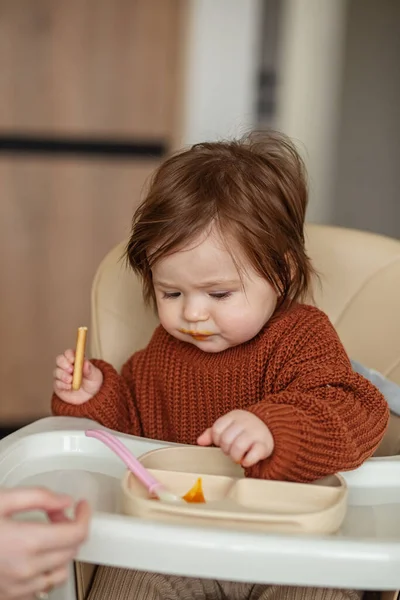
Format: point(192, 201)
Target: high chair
point(358, 287)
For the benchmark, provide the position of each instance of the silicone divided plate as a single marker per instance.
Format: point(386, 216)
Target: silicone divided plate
point(231, 500)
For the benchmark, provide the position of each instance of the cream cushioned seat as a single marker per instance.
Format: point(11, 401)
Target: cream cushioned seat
point(359, 288)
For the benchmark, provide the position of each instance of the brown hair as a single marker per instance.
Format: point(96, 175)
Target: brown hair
point(253, 190)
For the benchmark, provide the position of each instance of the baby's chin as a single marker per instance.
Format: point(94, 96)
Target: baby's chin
point(209, 347)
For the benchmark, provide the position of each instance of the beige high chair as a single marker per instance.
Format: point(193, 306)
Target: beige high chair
point(359, 290)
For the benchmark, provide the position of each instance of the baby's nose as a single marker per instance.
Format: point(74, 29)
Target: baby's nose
point(195, 311)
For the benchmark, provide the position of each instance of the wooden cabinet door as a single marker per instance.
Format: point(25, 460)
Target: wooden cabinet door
point(98, 70)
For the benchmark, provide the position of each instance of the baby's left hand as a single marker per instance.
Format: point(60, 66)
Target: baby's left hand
point(240, 435)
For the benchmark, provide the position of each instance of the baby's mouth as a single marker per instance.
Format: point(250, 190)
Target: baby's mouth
point(199, 336)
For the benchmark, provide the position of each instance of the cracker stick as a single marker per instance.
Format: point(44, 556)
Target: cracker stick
point(79, 358)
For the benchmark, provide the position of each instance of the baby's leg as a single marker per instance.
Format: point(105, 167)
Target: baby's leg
point(276, 592)
point(124, 584)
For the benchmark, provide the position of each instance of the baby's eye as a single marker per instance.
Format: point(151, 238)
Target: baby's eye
point(220, 295)
point(171, 294)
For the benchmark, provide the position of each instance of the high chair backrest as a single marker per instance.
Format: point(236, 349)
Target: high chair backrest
point(359, 289)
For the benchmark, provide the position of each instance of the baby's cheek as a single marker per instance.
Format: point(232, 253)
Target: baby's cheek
point(252, 326)
point(239, 325)
point(166, 314)
point(165, 322)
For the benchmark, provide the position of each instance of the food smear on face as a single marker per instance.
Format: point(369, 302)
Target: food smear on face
point(199, 336)
point(195, 494)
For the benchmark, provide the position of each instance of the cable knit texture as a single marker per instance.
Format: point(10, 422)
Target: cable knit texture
point(294, 375)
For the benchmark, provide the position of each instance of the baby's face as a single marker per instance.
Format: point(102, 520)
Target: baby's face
point(203, 300)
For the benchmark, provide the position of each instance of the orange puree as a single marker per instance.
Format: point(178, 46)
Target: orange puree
point(195, 494)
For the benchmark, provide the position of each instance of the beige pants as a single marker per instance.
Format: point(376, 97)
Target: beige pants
point(123, 584)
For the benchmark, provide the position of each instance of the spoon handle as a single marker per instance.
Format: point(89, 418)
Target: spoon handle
point(150, 483)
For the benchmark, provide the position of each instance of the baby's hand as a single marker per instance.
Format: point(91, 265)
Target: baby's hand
point(242, 436)
point(91, 381)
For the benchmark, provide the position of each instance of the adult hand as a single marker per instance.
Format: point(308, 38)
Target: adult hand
point(34, 557)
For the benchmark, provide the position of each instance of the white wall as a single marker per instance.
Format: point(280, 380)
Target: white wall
point(367, 194)
point(221, 69)
point(310, 70)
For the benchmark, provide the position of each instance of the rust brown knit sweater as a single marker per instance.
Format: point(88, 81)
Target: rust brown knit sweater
point(294, 375)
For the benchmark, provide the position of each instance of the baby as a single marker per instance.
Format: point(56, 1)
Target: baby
point(238, 361)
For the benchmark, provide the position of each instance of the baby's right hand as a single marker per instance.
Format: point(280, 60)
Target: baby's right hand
point(91, 381)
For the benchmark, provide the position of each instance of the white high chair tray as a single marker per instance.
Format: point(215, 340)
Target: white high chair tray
point(364, 554)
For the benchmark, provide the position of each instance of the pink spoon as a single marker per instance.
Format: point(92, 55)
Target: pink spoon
point(153, 486)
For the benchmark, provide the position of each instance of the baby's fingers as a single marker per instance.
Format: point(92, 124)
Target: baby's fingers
point(62, 375)
point(70, 355)
point(205, 439)
point(65, 361)
point(60, 386)
point(88, 369)
point(257, 452)
point(240, 446)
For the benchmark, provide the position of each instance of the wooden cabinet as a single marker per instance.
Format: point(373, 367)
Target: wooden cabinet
point(107, 70)
point(104, 67)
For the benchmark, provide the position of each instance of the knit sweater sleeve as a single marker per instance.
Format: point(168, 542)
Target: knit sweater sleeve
point(113, 406)
point(324, 418)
